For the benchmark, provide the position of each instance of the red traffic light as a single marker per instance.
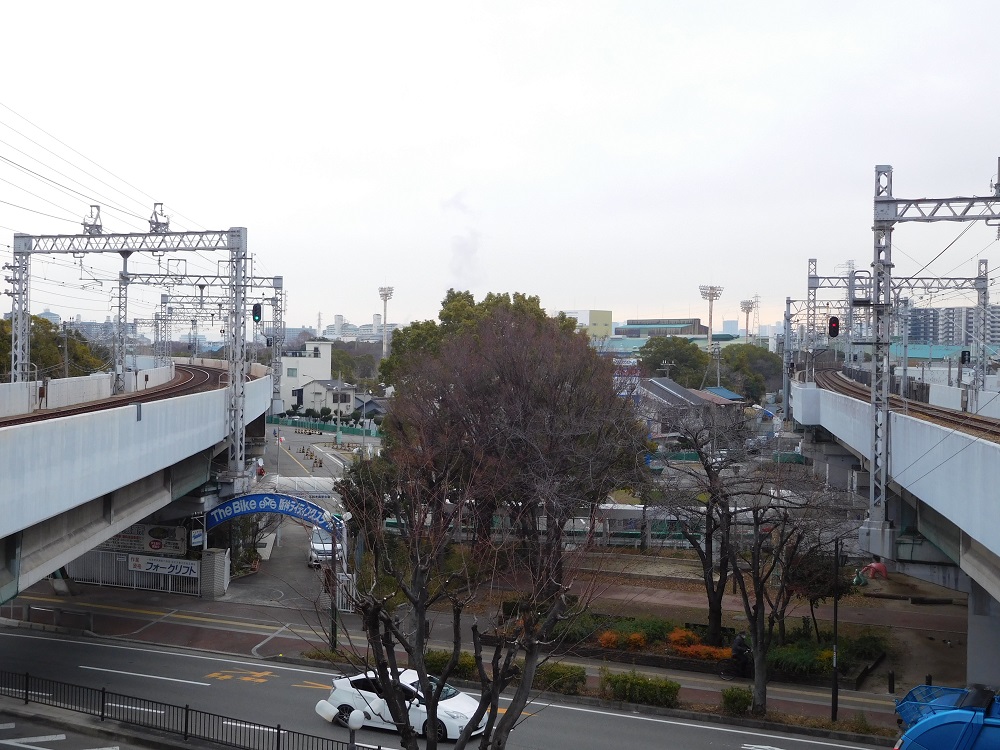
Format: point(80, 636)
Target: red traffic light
point(834, 329)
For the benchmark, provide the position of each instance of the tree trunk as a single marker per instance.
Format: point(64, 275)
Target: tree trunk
point(714, 635)
point(519, 700)
point(759, 706)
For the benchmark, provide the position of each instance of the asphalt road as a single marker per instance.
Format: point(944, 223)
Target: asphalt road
point(270, 693)
point(27, 734)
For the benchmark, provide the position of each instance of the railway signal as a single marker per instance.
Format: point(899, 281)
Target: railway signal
point(834, 328)
point(257, 312)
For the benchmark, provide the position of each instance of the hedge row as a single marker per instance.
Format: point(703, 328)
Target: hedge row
point(568, 679)
point(632, 687)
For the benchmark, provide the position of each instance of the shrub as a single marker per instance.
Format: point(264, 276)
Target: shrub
point(859, 724)
point(608, 639)
point(865, 647)
point(636, 641)
point(581, 627)
point(824, 659)
point(568, 679)
point(701, 651)
point(654, 628)
point(436, 661)
point(797, 659)
point(682, 637)
point(635, 688)
point(736, 701)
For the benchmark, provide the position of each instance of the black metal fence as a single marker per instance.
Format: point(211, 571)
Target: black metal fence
point(164, 717)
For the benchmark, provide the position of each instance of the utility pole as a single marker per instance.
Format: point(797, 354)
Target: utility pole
point(834, 688)
point(65, 350)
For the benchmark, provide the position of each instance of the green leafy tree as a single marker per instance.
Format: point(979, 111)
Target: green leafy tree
point(681, 360)
point(48, 351)
point(459, 312)
point(342, 365)
point(751, 371)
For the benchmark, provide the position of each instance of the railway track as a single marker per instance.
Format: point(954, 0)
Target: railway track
point(983, 427)
point(187, 379)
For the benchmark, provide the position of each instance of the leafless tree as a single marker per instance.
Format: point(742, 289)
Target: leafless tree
point(747, 519)
point(702, 493)
point(507, 431)
point(791, 515)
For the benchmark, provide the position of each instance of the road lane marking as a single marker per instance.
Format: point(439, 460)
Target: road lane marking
point(248, 725)
point(137, 708)
point(148, 676)
point(178, 654)
point(23, 742)
point(6, 726)
point(168, 615)
point(244, 675)
point(712, 727)
point(264, 642)
point(314, 685)
point(92, 605)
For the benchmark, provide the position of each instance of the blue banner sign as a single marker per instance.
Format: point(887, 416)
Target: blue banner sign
point(274, 503)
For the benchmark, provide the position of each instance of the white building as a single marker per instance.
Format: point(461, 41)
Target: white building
point(335, 395)
point(312, 362)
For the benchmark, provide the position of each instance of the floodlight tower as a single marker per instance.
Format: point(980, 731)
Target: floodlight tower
point(711, 293)
point(385, 292)
point(747, 307)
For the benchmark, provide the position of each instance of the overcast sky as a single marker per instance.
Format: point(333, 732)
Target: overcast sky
point(600, 155)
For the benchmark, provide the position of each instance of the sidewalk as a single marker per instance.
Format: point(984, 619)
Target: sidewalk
point(272, 615)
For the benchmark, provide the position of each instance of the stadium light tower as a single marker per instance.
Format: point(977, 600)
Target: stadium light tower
point(747, 307)
point(385, 292)
point(711, 293)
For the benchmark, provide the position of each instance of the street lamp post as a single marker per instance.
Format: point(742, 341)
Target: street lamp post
point(339, 531)
point(354, 722)
point(836, 594)
point(364, 409)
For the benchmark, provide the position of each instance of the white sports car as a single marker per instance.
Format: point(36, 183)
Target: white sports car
point(363, 692)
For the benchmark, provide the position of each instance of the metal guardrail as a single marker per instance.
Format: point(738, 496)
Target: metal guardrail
point(188, 722)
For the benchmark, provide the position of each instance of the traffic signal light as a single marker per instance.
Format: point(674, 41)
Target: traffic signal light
point(834, 329)
point(257, 309)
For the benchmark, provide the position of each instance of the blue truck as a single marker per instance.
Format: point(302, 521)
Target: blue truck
point(945, 718)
